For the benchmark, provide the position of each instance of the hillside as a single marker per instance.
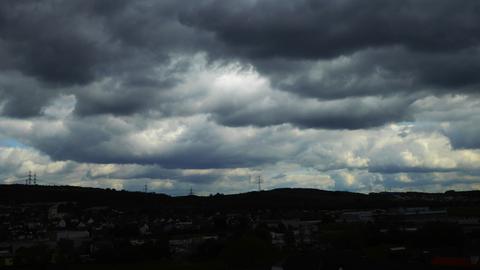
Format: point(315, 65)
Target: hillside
point(285, 198)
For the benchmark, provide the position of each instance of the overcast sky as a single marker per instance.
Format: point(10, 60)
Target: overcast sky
point(339, 95)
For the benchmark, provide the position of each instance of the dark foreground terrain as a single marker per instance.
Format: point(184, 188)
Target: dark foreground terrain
point(63, 227)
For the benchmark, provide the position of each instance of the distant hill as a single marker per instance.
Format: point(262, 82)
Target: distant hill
point(284, 198)
point(17, 194)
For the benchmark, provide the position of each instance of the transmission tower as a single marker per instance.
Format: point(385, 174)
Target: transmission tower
point(259, 181)
point(145, 188)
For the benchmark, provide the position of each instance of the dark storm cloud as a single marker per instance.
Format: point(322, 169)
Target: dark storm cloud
point(346, 64)
point(50, 41)
point(75, 42)
point(63, 44)
point(406, 46)
point(125, 102)
point(337, 114)
point(464, 134)
point(379, 92)
point(392, 46)
point(107, 140)
point(22, 96)
point(323, 29)
point(384, 72)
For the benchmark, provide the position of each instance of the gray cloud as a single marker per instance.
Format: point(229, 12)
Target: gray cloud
point(464, 134)
point(65, 43)
point(338, 114)
point(336, 50)
point(22, 96)
point(191, 143)
point(358, 91)
point(323, 29)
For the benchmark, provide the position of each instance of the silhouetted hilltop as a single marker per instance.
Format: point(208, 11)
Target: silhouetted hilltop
point(281, 198)
point(17, 194)
point(284, 198)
